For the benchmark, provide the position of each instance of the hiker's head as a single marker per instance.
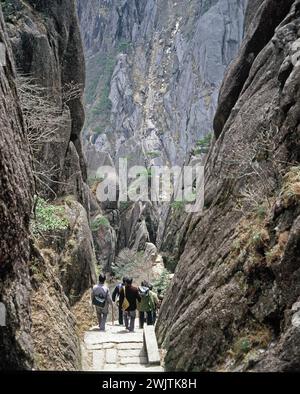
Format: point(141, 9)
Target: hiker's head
point(144, 284)
point(159, 291)
point(102, 278)
point(128, 281)
point(150, 285)
point(124, 280)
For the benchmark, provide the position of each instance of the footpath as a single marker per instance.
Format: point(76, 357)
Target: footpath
point(118, 350)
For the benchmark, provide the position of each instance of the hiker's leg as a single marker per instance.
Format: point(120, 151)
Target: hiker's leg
point(149, 318)
point(141, 319)
point(154, 316)
point(132, 320)
point(99, 317)
point(103, 321)
point(120, 316)
point(126, 319)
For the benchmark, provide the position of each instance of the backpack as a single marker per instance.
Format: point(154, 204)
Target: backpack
point(100, 300)
point(143, 291)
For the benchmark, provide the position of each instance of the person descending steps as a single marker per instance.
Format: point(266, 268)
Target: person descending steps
point(101, 299)
point(144, 306)
point(117, 350)
point(129, 296)
point(116, 299)
point(148, 305)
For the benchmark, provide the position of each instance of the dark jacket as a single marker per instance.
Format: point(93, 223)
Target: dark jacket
point(132, 296)
point(116, 292)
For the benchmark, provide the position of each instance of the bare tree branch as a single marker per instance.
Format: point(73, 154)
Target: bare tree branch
point(44, 117)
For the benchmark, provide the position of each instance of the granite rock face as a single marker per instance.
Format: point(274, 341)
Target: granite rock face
point(154, 72)
point(47, 47)
point(62, 270)
point(234, 298)
point(40, 284)
point(16, 195)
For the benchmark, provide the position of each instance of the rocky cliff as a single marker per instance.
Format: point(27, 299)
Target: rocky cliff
point(45, 286)
point(154, 72)
point(16, 196)
point(234, 300)
point(47, 47)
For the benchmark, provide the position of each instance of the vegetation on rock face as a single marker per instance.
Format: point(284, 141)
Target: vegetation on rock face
point(124, 46)
point(153, 154)
point(101, 70)
point(94, 180)
point(124, 205)
point(291, 186)
point(100, 221)
point(48, 217)
point(178, 206)
point(248, 344)
point(163, 282)
point(255, 230)
point(202, 145)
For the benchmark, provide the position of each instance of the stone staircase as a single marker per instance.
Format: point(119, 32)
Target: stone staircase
point(117, 350)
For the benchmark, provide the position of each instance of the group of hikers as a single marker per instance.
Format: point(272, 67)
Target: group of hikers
point(129, 299)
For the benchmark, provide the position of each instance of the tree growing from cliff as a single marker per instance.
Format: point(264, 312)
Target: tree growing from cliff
point(44, 117)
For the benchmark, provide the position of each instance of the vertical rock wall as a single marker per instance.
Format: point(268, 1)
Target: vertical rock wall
point(16, 194)
point(234, 301)
point(39, 286)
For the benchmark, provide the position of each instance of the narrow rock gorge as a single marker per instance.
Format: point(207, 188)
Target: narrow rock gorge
point(159, 83)
point(154, 69)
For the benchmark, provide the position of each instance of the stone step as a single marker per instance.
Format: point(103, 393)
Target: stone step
point(118, 350)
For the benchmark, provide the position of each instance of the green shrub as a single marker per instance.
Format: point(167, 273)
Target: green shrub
point(48, 217)
point(178, 205)
point(258, 338)
point(242, 346)
point(261, 212)
point(100, 221)
point(98, 130)
point(124, 46)
point(153, 154)
point(163, 282)
point(125, 205)
point(202, 145)
point(92, 180)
